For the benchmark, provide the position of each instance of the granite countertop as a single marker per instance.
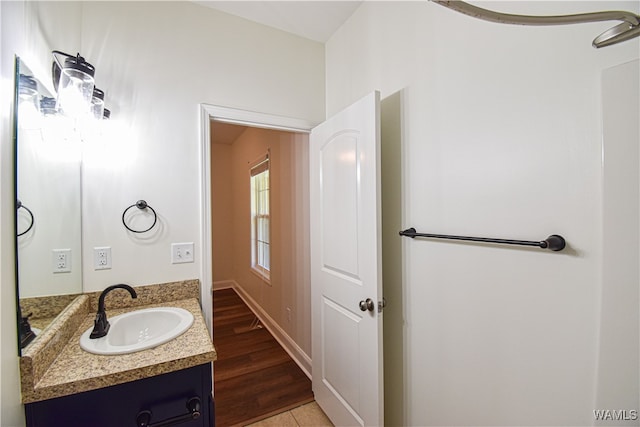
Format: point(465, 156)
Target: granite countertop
point(73, 370)
point(41, 311)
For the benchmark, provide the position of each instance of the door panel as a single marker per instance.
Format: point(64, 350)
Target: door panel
point(341, 352)
point(339, 204)
point(346, 264)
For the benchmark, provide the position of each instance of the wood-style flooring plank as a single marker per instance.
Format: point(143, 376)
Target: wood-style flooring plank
point(253, 376)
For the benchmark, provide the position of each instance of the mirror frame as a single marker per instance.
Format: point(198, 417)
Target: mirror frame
point(16, 92)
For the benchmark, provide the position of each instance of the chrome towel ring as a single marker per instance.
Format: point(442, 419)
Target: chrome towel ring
point(20, 205)
point(140, 204)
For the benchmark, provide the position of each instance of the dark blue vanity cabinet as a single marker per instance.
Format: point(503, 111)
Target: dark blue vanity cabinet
point(164, 400)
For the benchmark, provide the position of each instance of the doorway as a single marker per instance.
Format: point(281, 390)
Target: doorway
point(212, 113)
point(225, 115)
point(279, 292)
point(233, 142)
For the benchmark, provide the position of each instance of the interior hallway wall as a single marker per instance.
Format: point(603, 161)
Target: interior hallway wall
point(289, 285)
point(222, 212)
point(502, 137)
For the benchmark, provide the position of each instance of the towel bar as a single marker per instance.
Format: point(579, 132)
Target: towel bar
point(554, 242)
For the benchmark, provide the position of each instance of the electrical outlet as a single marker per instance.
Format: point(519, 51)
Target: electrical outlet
point(181, 253)
point(61, 260)
point(102, 258)
point(288, 314)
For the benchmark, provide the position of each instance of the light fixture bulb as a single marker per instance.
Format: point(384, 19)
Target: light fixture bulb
point(97, 104)
point(75, 85)
point(48, 106)
point(74, 93)
point(28, 90)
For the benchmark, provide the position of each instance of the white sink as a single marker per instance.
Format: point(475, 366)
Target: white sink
point(139, 330)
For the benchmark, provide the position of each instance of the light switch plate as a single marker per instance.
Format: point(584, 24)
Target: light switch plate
point(181, 253)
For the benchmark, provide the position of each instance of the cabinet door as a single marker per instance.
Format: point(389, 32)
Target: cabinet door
point(164, 395)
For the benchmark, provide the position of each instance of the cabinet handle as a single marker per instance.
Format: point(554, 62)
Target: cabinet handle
point(193, 406)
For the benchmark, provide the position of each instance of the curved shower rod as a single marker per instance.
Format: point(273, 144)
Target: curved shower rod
point(628, 29)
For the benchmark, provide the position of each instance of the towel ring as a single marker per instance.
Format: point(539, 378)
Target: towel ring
point(140, 204)
point(20, 205)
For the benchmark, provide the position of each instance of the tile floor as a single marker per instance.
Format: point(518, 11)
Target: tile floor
point(309, 415)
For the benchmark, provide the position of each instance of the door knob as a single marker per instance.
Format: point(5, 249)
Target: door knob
point(367, 305)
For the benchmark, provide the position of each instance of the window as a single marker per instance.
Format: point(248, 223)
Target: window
point(260, 248)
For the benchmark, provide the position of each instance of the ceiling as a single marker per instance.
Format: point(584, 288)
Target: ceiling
point(315, 20)
point(225, 133)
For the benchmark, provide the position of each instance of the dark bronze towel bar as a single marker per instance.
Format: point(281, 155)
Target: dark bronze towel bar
point(554, 242)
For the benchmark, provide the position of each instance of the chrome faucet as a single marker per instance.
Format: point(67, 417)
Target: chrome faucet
point(101, 324)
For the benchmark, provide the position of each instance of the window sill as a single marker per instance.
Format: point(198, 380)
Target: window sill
point(265, 277)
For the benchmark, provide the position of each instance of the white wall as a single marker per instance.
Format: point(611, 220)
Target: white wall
point(156, 62)
point(30, 30)
point(618, 375)
point(501, 134)
point(10, 409)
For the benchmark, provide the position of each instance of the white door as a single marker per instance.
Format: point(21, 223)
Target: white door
point(346, 269)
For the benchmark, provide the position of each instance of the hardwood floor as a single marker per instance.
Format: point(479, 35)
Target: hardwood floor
point(253, 376)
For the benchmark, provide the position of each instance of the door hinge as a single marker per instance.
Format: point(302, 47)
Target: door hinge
point(382, 304)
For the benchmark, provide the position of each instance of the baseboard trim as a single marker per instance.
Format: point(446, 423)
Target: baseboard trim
point(224, 284)
point(297, 354)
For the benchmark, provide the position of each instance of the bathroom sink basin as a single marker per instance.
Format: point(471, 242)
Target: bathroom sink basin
point(139, 330)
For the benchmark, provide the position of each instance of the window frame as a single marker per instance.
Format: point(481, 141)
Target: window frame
point(258, 267)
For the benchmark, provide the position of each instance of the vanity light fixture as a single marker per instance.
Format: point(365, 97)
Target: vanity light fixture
point(97, 104)
point(48, 106)
point(55, 131)
point(28, 105)
point(74, 82)
point(28, 92)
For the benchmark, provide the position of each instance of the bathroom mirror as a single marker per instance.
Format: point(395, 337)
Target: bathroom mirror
point(48, 203)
